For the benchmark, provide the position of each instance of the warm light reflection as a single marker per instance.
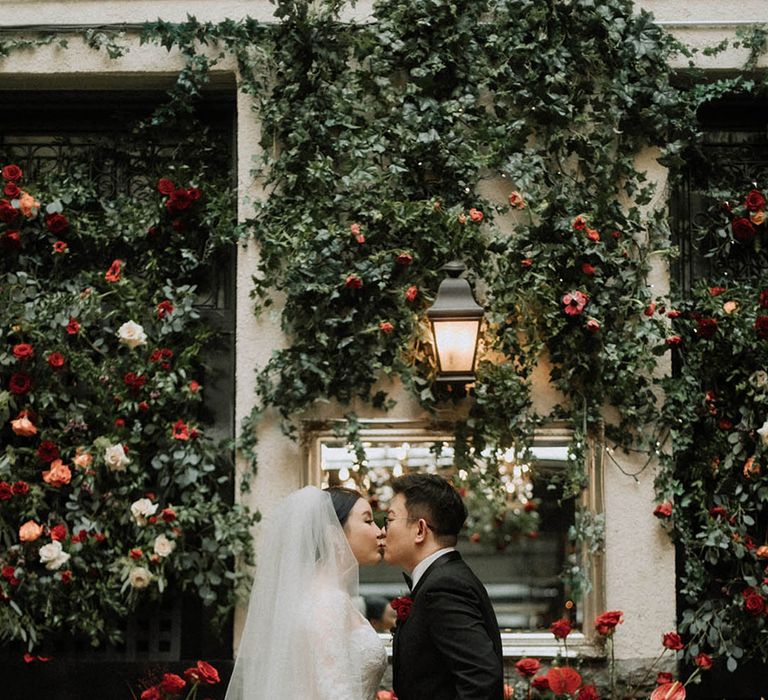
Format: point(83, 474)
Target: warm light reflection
point(455, 342)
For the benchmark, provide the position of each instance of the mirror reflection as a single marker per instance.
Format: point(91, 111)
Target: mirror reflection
point(515, 538)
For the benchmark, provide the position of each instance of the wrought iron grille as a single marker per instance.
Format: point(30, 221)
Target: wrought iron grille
point(733, 156)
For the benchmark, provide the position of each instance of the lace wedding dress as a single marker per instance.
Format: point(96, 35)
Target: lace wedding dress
point(350, 658)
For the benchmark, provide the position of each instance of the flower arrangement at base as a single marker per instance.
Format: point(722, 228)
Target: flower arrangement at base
point(111, 493)
point(171, 685)
point(562, 680)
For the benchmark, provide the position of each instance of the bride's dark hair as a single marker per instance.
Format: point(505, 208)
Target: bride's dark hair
point(343, 500)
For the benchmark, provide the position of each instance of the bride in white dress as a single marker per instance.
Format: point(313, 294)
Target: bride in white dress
point(304, 636)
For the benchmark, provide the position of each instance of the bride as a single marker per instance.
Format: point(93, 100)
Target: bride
point(304, 636)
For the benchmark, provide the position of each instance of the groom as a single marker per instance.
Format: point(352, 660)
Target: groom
point(448, 647)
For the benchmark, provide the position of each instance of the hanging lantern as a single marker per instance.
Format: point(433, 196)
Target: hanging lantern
point(455, 321)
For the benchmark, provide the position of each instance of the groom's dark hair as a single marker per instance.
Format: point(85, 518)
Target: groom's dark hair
point(433, 498)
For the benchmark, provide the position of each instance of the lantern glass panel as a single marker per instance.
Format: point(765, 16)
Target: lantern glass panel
point(455, 342)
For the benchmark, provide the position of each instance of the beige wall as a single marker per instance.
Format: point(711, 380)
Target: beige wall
point(639, 559)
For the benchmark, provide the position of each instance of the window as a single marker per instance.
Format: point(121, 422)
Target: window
point(520, 561)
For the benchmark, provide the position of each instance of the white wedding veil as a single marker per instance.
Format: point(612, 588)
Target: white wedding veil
point(297, 638)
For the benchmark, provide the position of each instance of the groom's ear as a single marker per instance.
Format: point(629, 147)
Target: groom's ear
point(422, 531)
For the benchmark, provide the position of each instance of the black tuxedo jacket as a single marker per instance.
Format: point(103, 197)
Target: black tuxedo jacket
point(449, 647)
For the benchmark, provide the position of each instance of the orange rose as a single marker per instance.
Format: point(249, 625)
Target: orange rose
point(730, 306)
point(58, 475)
point(30, 531)
point(751, 468)
point(82, 458)
point(757, 217)
point(23, 426)
point(762, 552)
point(28, 205)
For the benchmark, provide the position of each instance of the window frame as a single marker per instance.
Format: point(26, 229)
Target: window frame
point(584, 643)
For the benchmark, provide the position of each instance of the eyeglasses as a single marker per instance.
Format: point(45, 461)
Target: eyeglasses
point(404, 517)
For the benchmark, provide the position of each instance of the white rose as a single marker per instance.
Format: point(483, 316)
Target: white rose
point(142, 509)
point(115, 458)
point(164, 546)
point(132, 334)
point(53, 556)
point(139, 577)
point(763, 433)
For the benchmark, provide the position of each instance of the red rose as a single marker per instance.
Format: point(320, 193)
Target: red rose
point(673, 340)
point(178, 201)
point(605, 624)
point(136, 553)
point(707, 327)
point(588, 269)
point(476, 215)
point(528, 667)
point(152, 693)
point(404, 259)
point(763, 299)
point(164, 308)
point(6, 491)
point(47, 451)
point(592, 325)
point(20, 383)
point(703, 661)
point(56, 222)
point(664, 677)
point(755, 201)
point(754, 604)
point(574, 302)
point(11, 239)
point(353, 282)
point(168, 515)
point(563, 680)
point(172, 684)
point(180, 430)
point(411, 293)
point(386, 327)
point(65, 576)
point(663, 510)
point(588, 692)
point(761, 327)
point(402, 606)
point(717, 291)
point(743, 230)
point(114, 272)
point(672, 640)
point(194, 193)
point(23, 351)
point(12, 173)
point(59, 532)
point(56, 360)
point(540, 683)
point(208, 674)
point(73, 327)
point(60, 247)
point(20, 488)
point(7, 212)
point(11, 190)
point(560, 628)
point(165, 186)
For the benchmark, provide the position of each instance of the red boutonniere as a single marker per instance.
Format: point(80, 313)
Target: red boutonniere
point(402, 606)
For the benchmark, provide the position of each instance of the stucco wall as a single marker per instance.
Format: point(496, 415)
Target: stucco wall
point(639, 559)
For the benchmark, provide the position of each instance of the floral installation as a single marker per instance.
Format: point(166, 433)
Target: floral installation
point(110, 490)
point(172, 685)
point(713, 490)
point(562, 680)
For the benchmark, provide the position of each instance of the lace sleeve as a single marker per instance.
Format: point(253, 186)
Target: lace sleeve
point(335, 667)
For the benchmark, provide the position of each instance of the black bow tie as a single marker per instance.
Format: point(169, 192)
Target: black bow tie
point(408, 581)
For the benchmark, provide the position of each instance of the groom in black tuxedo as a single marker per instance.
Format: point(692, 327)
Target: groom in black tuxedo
point(447, 644)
